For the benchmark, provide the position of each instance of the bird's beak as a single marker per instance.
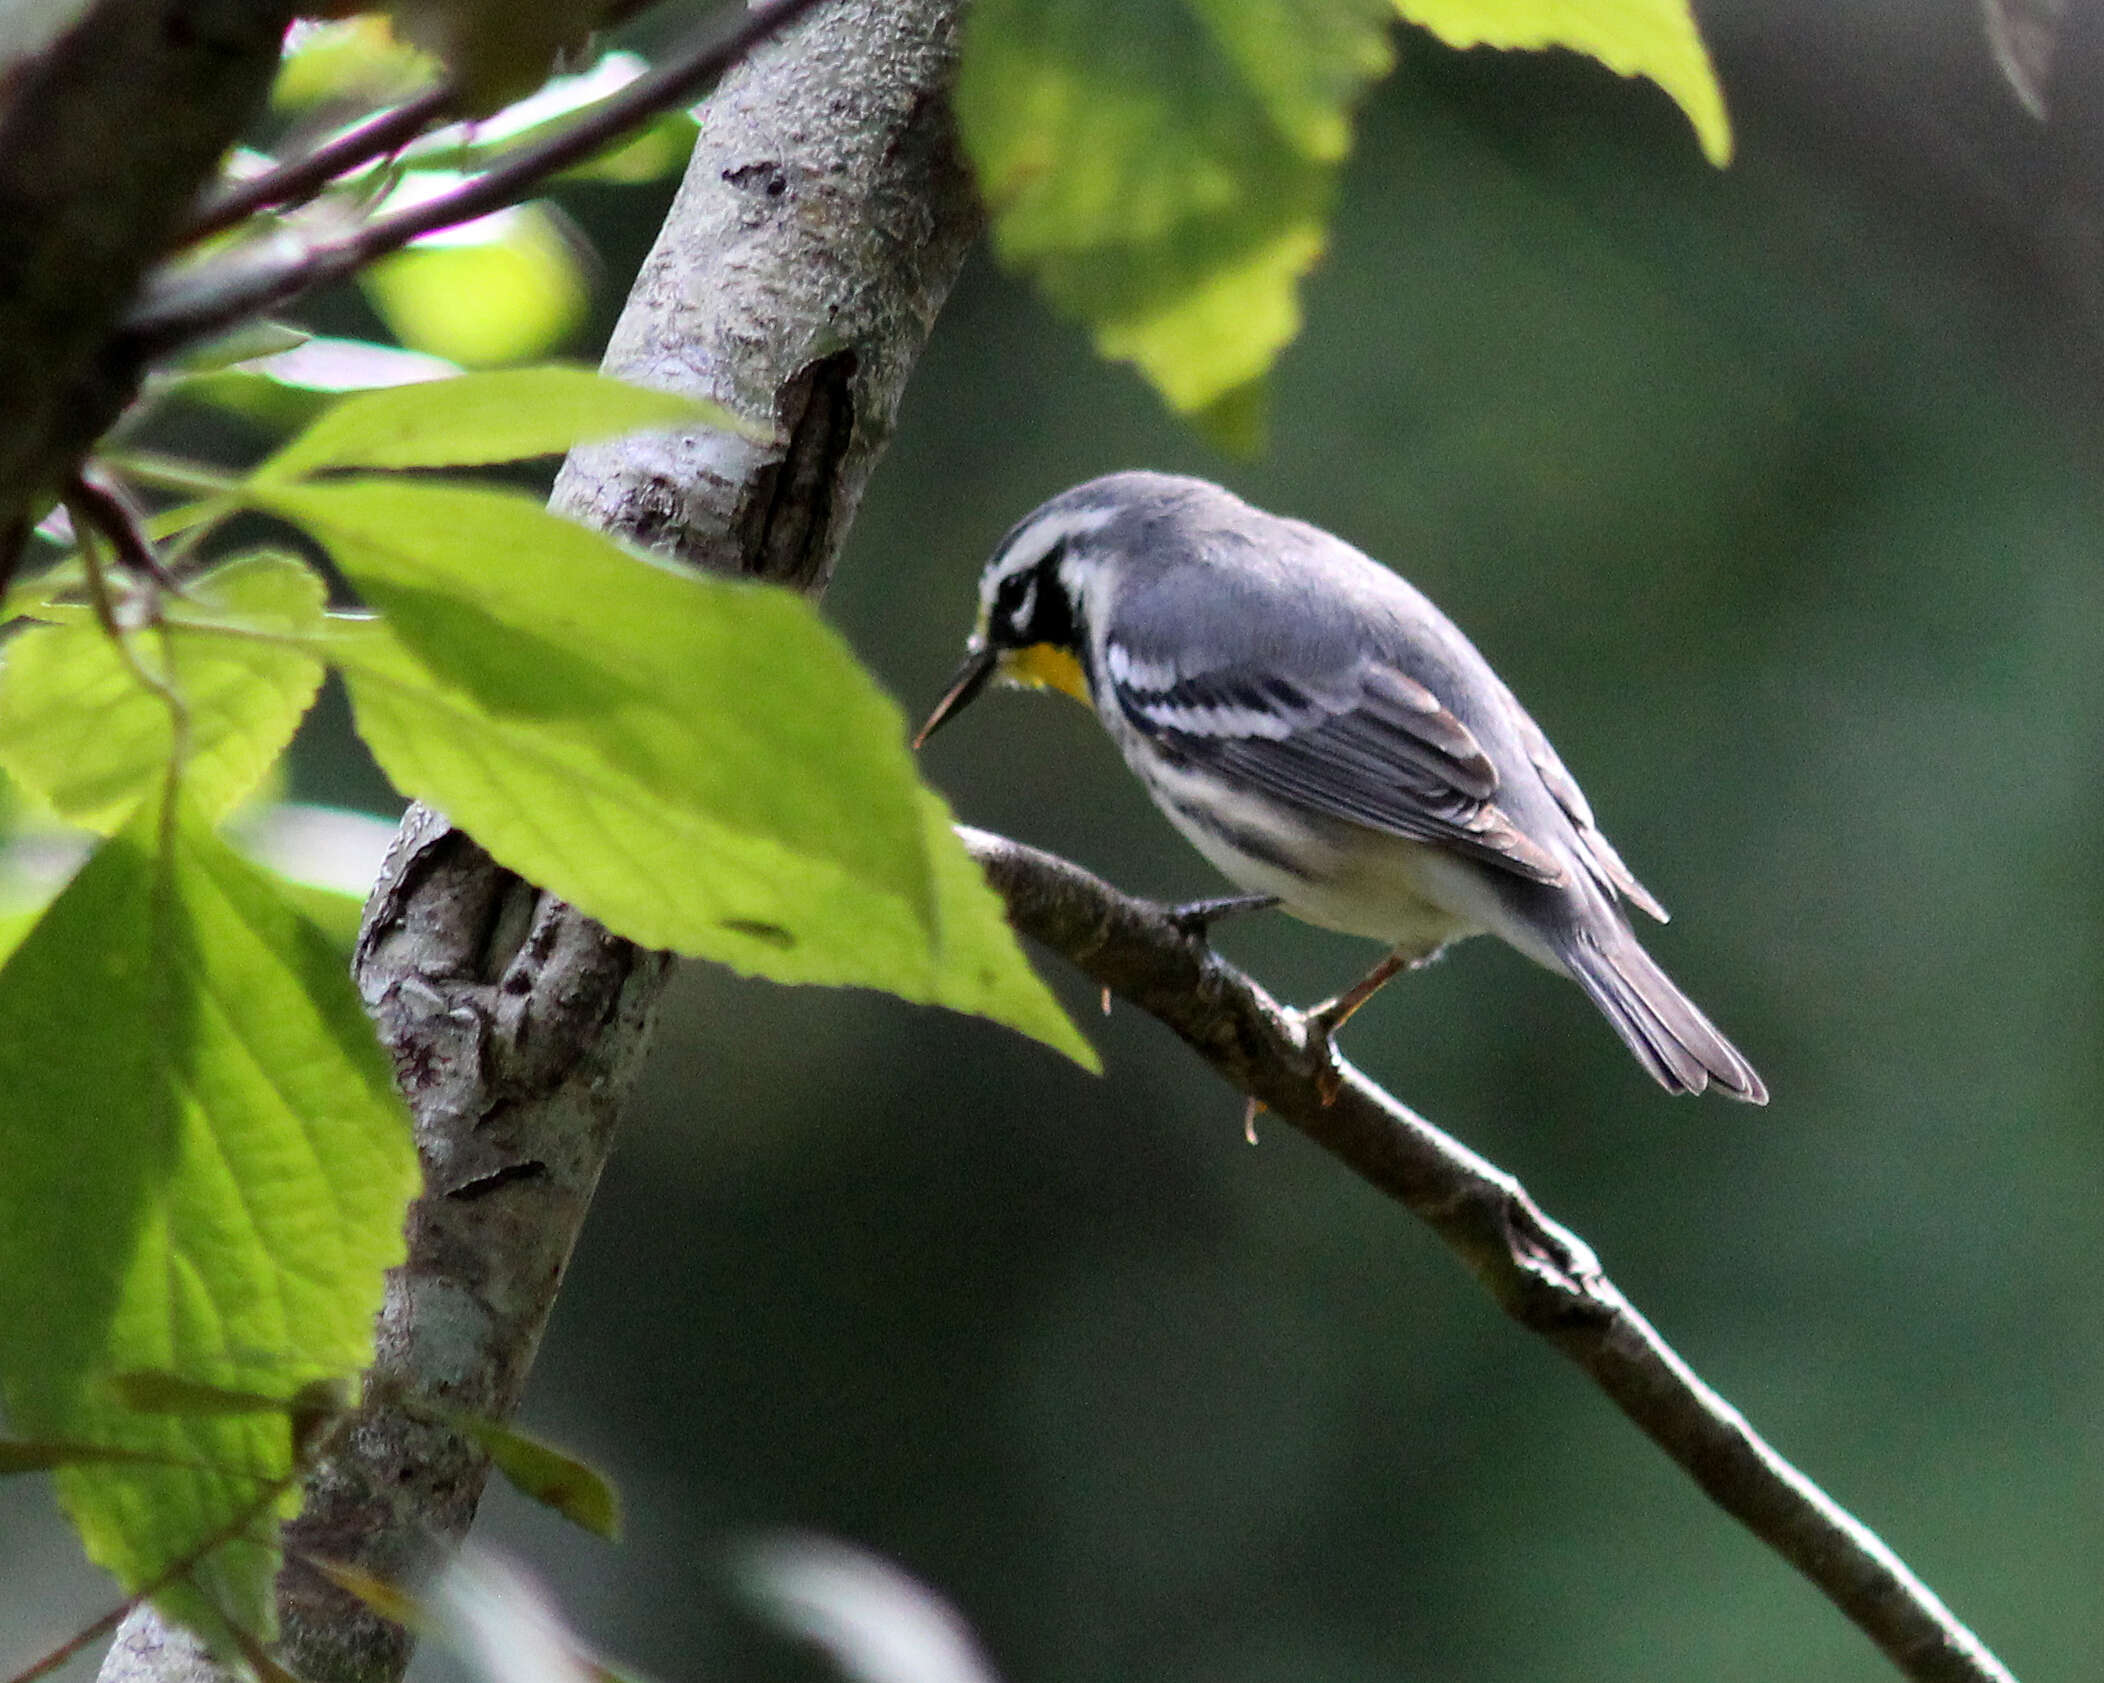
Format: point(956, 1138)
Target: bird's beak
point(970, 679)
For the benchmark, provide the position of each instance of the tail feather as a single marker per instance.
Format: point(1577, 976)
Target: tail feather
point(1661, 1025)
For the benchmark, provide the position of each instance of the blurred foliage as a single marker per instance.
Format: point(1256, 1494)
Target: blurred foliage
point(507, 287)
point(1167, 172)
point(502, 289)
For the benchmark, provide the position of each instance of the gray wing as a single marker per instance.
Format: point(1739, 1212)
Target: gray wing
point(1599, 856)
point(1372, 746)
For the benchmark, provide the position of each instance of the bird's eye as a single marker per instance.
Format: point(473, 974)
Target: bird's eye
point(1017, 600)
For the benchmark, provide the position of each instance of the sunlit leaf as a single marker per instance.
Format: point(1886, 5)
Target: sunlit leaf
point(1165, 170)
point(553, 1477)
point(15, 925)
point(698, 763)
point(480, 418)
point(980, 972)
point(659, 148)
point(1651, 38)
point(206, 1172)
point(337, 915)
point(505, 288)
point(153, 1391)
point(542, 793)
point(656, 149)
point(325, 859)
point(711, 703)
point(80, 728)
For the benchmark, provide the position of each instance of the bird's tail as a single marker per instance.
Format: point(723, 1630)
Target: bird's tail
point(1661, 1025)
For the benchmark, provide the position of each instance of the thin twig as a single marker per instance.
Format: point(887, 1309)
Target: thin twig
point(96, 500)
point(297, 180)
point(194, 304)
point(1541, 1274)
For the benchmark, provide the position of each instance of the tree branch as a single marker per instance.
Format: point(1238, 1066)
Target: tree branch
point(1541, 1274)
point(296, 180)
point(823, 218)
point(186, 305)
point(106, 135)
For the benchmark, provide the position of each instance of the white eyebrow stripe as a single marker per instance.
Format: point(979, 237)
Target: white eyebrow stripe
point(1038, 539)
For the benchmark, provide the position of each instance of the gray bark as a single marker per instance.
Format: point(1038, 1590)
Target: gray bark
point(823, 218)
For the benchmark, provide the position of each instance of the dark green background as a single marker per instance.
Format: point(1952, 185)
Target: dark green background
point(1771, 493)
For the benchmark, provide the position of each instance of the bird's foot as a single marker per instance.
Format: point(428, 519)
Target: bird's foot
point(1320, 1023)
point(1194, 919)
point(1322, 1048)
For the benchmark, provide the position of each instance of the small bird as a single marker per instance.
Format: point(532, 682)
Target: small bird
point(1330, 741)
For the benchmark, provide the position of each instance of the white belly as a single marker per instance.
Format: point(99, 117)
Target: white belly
point(1349, 878)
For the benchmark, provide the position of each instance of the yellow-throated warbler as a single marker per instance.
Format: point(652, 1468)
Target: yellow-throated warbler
point(1328, 738)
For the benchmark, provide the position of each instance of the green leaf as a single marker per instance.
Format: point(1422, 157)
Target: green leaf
point(337, 914)
point(657, 149)
point(553, 1477)
point(723, 722)
point(15, 926)
point(1657, 39)
point(698, 763)
point(981, 971)
point(554, 798)
point(80, 728)
point(1166, 169)
point(207, 1168)
point(504, 288)
point(478, 418)
point(148, 1391)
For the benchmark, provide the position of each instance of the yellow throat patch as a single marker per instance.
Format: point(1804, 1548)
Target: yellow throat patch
point(1046, 666)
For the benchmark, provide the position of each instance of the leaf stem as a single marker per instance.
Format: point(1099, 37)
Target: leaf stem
point(172, 473)
point(176, 1570)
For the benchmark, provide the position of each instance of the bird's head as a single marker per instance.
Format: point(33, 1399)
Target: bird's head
point(1032, 624)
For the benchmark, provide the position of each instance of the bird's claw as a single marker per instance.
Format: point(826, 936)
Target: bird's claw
point(1329, 1073)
